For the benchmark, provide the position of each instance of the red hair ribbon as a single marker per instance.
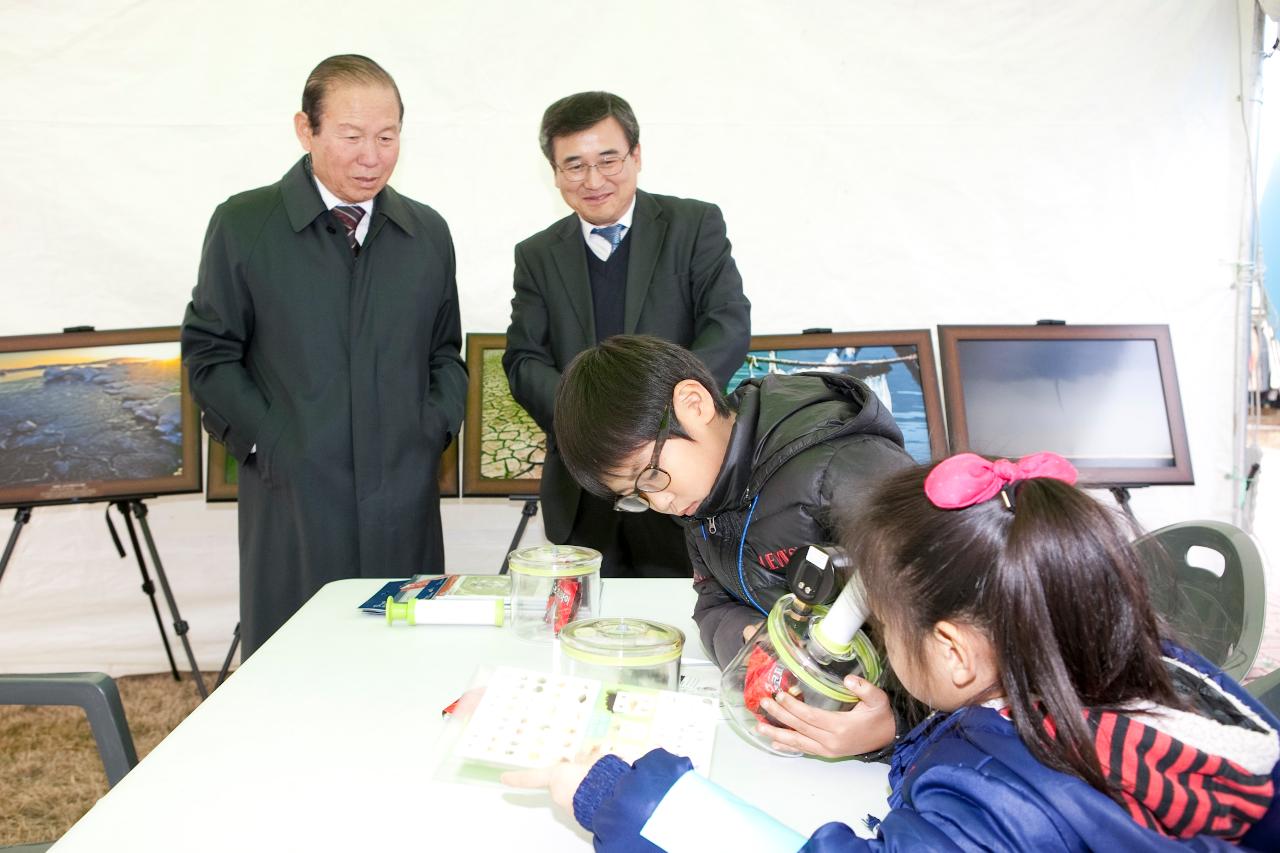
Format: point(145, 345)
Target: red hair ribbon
point(967, 478)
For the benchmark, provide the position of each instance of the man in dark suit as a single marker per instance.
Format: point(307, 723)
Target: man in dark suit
point(322, 342)
point(624, 262)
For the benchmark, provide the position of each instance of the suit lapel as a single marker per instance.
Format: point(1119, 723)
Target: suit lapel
point(650, 230)
point(571, 261)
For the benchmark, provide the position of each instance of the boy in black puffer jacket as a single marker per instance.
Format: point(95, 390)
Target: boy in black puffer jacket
point(641, 420)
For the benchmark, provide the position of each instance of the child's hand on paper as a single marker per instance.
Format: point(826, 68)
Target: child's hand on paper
point(561, 779)
point(866, 727)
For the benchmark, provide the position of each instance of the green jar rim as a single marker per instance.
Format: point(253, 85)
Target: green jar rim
point(659, 643)
point(861, 644)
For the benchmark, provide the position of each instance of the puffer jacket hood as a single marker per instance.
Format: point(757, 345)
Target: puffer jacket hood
point(801, 444)
point(780, 416)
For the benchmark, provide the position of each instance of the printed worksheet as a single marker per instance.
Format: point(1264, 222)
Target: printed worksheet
point(534, 719)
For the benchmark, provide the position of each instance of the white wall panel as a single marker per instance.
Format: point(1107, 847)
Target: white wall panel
point(907, 163)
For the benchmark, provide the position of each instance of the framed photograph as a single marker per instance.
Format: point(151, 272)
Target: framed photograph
point(502, 449)
point(897, 365)
point(96, 416)
point(223, 479)
point(1105, 397)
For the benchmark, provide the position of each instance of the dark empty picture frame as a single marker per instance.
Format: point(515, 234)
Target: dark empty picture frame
point(96, 416)
point(502, 448)
point(224, 473)
point(897, 365)
point(1105, 397)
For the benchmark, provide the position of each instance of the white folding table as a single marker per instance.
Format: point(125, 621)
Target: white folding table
point(331, 738)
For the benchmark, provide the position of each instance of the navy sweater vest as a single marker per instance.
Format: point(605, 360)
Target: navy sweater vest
point(609, 289)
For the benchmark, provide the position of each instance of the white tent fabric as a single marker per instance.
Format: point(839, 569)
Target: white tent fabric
point(880, 165)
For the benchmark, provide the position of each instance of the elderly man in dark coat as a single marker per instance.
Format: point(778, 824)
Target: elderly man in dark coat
point(322, 341)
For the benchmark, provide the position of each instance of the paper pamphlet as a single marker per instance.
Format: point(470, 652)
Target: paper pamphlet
point(439, 588)
point(534, 719)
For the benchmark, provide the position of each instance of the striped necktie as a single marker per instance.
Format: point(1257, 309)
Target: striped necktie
point(349, 215)
point(612, 233)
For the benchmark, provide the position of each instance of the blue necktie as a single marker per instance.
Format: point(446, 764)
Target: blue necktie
point(612, 233)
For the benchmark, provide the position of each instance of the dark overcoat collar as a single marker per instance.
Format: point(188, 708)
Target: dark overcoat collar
point(648, 230)
point(303, 204)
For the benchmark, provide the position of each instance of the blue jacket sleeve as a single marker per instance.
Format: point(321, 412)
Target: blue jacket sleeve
point(614, 802)
point(660, 805)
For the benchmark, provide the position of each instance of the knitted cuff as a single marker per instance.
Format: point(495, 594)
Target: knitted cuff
point(596, 787)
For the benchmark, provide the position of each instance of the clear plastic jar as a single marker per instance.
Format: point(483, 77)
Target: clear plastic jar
point(551, 586)
point(780, 658)
point(623, 650)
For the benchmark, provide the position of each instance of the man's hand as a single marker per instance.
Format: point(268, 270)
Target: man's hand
point(866, 727)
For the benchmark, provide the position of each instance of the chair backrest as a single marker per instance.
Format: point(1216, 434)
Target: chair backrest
point(1208, 580)
point(97, 694)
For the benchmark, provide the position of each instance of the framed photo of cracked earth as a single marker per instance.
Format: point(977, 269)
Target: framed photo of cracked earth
point(222, 482)
point(897, 365)
point(96, 416)
point(502, 449)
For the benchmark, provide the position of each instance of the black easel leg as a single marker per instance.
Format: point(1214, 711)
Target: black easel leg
point(147, 586)
point(1121, 494)
point(20, 517)
point(529, 510)
point(231, 652)
point(179, 625)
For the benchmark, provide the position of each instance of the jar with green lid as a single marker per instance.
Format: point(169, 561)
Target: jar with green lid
point(551, 586)
point(623, 650)
point(781, 657)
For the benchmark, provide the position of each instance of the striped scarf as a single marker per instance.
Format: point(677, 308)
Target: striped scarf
point(1171, 786)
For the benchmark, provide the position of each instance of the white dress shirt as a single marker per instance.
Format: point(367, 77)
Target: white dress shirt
point(602, 247)
point(331, 201)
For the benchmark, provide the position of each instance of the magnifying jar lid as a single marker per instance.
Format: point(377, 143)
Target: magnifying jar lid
point(621, 641)
point(554, 561)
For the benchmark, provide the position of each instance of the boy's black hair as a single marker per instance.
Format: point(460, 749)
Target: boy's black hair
point(611, 399)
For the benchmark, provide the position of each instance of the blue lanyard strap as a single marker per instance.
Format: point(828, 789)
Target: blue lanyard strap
point(742, 580)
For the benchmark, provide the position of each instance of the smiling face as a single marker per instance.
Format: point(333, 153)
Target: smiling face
point(354, 151)
point(599, 199)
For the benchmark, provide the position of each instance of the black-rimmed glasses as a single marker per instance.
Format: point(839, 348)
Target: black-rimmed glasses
point(606, 166)
point(652, 479)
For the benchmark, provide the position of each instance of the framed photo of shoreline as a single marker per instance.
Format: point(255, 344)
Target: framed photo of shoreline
point(223, 479)
point(502, 449)
point(897, 365)
point(96, 416)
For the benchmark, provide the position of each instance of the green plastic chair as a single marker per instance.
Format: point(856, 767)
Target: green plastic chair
point(1208, 580)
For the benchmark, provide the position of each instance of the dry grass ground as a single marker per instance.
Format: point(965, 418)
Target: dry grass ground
point(50, 772)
